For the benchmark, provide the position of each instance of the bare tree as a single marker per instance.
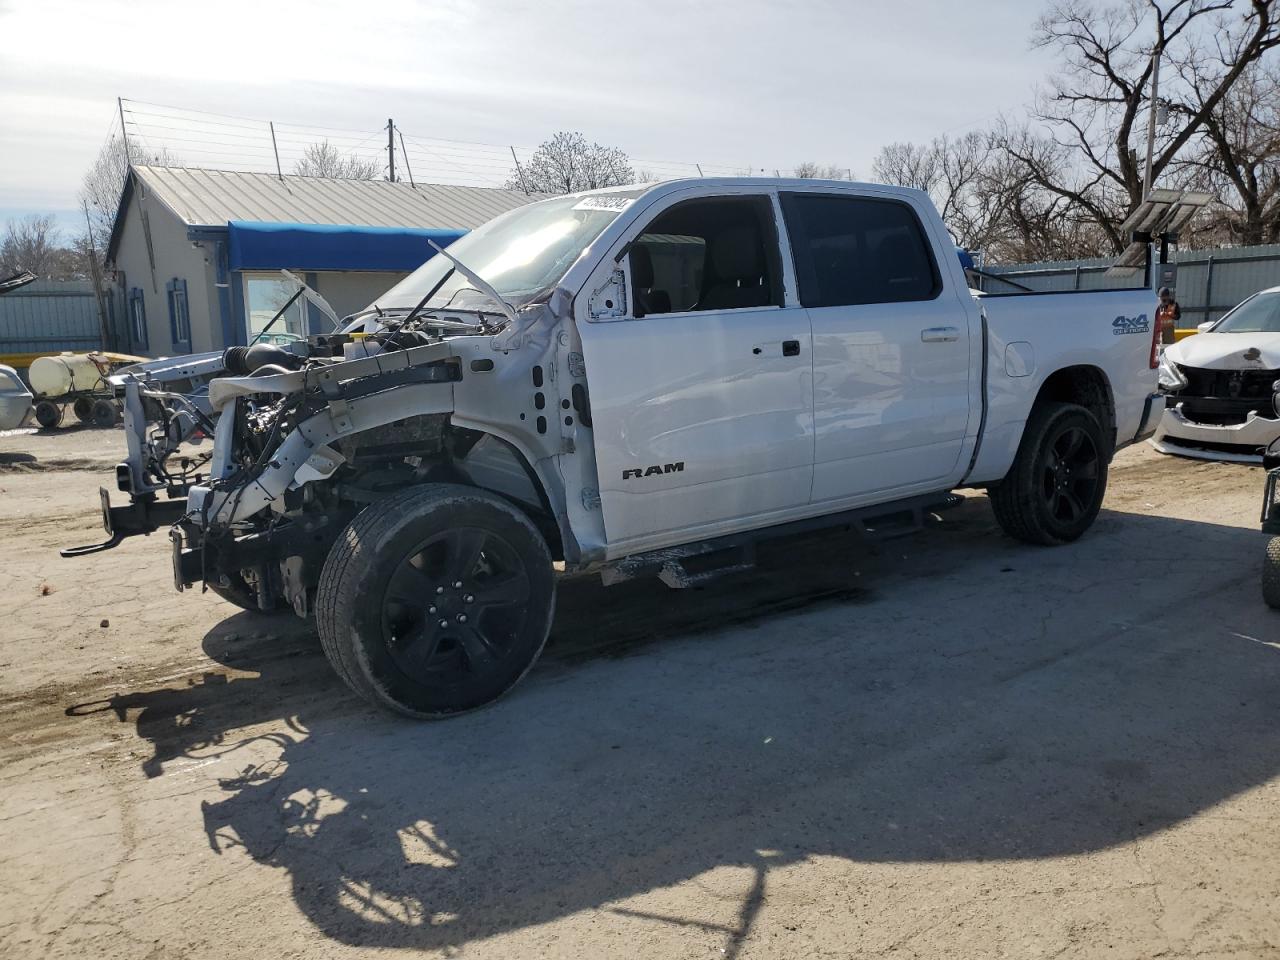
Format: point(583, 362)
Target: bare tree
point(972, 189)
point(30, 243)
point(908, 165)
point(809, 170)
point(325, 160)
point(103, 183)
point(567, 163)
point(1238, 160)
point(1094, 106)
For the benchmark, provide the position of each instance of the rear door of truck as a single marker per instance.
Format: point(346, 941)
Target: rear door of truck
point(893, 342)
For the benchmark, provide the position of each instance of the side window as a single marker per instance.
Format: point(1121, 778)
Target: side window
point(713, 254)
point(179, 316)
point(138, 317)
point(855, 250)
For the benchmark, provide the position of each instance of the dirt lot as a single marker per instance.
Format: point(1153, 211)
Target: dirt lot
point(948, 746)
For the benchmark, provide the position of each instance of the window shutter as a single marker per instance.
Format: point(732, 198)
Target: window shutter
point(169, 289)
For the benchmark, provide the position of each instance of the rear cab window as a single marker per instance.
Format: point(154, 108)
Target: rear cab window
point(858, 250)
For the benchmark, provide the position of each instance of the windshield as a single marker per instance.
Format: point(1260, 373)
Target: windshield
point(522, 253)
point(1259, 314)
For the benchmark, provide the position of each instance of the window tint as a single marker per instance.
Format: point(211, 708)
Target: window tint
point(851, 250)
point(716, 254)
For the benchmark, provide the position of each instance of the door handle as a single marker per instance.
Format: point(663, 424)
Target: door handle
point(791, 348)
point(940, 334)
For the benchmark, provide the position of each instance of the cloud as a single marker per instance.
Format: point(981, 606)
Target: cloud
point(731, 83)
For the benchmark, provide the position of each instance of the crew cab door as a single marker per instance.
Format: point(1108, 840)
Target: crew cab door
point(701, 390)
point(891, 361)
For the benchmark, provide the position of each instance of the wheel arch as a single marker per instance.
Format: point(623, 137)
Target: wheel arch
point(1088, 386)
point(501, 465)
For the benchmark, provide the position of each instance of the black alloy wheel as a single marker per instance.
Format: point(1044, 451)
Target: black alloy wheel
point(1070, 479)
point(453, 607)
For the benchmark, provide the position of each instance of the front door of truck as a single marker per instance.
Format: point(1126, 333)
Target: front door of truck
point(701, 394)
point(891, 361)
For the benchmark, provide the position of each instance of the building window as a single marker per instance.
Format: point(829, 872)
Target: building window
point(179, 315)
point(138, 317)
point(265, 294)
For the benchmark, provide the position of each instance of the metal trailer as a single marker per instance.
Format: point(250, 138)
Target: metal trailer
point(95, 405)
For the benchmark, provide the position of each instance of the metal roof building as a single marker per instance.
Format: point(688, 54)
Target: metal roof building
point(197, 253)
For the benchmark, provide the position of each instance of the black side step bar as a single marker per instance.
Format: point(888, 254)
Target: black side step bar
point(882, 521)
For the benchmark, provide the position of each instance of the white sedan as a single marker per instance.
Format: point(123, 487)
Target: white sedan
point(1220, 383)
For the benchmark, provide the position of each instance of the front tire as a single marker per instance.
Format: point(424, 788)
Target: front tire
point(436, 600)
point(238, 591)
point(1055, 487)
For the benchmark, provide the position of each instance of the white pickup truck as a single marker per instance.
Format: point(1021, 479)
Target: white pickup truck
point(622, 380)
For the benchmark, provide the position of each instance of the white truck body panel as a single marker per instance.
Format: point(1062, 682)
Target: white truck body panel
point(709, 422)
point(1054, 331)
point(890, 396)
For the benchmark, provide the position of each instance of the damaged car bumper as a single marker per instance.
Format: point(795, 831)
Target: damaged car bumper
point(1241, 442)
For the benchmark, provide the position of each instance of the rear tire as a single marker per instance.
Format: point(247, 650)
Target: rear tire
point(1271, 574)
point(48, 414)
point(436, 600)
point(1055, 487)
point(83, 409)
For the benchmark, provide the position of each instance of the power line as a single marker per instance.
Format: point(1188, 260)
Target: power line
point(190, 135)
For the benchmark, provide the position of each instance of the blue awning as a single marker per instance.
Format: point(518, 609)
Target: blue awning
point(312, 246)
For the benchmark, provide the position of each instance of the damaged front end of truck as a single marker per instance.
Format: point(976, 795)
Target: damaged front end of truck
point(413, 480)
point(298, 453)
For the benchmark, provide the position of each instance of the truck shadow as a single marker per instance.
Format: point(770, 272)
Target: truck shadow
point(1087, 696)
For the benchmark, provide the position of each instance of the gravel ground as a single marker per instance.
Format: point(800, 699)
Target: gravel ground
point(947, 745)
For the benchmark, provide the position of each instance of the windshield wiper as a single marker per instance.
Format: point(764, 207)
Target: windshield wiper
point(481, 284)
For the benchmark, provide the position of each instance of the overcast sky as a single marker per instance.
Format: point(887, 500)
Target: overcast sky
point(749, 81)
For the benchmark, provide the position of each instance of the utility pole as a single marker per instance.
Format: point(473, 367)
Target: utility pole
point(124, 134)
point(391, 150)
point(1151, 120)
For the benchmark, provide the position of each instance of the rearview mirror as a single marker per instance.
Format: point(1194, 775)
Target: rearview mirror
point(1205, 327)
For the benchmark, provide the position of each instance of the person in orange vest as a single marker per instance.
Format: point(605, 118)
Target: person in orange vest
point(1168, 313)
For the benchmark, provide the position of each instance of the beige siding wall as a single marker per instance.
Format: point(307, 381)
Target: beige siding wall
point(174, 257)
point(350, 292)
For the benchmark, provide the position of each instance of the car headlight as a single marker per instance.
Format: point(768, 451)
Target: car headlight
point(1170, 377)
